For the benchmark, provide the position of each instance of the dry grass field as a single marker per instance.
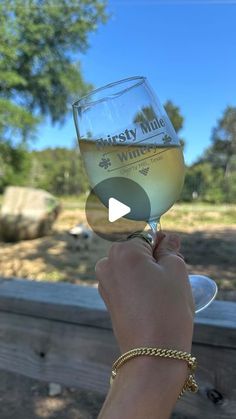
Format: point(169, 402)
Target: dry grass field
point(207, 234)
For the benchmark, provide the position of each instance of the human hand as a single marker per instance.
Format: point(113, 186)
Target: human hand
point(147, 293)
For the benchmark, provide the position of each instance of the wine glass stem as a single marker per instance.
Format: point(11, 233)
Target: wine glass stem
point(154, 225)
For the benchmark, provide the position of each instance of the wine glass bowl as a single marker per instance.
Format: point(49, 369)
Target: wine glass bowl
point(125, 133)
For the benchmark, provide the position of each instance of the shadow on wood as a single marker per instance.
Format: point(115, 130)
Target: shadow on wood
point(62, 333)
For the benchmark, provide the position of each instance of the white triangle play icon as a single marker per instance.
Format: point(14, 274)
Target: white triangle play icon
point(116, 209)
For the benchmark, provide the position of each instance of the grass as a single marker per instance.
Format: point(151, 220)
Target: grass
point(181, 215)
point(206, 231)
point(73, 201)
point(196, 215)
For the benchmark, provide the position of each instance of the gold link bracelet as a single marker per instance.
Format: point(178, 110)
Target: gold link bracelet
point(190, 383)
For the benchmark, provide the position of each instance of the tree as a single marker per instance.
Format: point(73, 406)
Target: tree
point(223, 151)
point(176, 118)
point(174, 114)
point(14, 165)
point(222, 154)
point(205, 182)
point(59, 171)
point(148, 113)
point(40, 74)
point(40, 41)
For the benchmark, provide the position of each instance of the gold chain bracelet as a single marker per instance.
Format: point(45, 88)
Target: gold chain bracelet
point(190, 383)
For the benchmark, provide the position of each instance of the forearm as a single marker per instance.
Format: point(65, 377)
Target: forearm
point(145, 388)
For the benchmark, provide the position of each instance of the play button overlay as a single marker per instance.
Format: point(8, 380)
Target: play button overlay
point(117, 207)
point(116, 210)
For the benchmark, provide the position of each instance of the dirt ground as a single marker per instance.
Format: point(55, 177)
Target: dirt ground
point(24, 398)
point(209, 250)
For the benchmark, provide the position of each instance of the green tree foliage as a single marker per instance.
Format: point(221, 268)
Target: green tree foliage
point(148, 113)
point(40, 41)
point(221, 156)
point(222, 153)
point(176, 118)
point(173, 111)
point(204, 183)
point(59, 171)
point(174, 114)
point(15, 165)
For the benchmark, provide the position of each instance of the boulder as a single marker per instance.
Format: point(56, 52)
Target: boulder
point(27, 213)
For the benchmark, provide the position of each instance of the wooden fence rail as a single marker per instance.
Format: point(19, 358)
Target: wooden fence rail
point(62, 333)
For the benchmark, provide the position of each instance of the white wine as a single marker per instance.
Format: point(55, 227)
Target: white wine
point(158, 170)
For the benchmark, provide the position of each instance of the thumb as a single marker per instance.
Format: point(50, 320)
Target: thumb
point(169, 245)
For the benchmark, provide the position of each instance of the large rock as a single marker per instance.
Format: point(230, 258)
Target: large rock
point(27, 213)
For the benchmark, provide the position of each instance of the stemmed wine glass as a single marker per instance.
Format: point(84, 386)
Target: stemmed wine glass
point(125, 133)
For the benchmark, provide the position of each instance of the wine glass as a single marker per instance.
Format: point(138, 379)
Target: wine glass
point(125, 133)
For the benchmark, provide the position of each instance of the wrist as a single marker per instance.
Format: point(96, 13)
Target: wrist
point(154, 369)
point(190, 382)
point(145, 387)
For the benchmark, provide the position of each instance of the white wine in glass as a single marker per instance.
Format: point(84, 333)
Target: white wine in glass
point(124, 132)
point(158, 170)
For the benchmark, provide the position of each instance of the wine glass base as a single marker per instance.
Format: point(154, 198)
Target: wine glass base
point(204, 290)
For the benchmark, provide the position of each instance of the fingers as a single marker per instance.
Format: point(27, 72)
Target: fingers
point(166, 253)
point(135, 248)
point(126, 254)
point(166, 242)
point(136, 251)
point(159, 236)
point(167, 245)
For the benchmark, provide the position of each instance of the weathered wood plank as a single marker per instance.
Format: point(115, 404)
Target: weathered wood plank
point(216, 376)
point(62, 333)
point(62, 301)
point(82, 305)
point(81, 356)
point(58, 352)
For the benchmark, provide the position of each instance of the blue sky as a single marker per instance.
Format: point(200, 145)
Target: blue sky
point(187, 50)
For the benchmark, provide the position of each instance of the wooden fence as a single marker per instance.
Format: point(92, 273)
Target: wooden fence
point(62, 333)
